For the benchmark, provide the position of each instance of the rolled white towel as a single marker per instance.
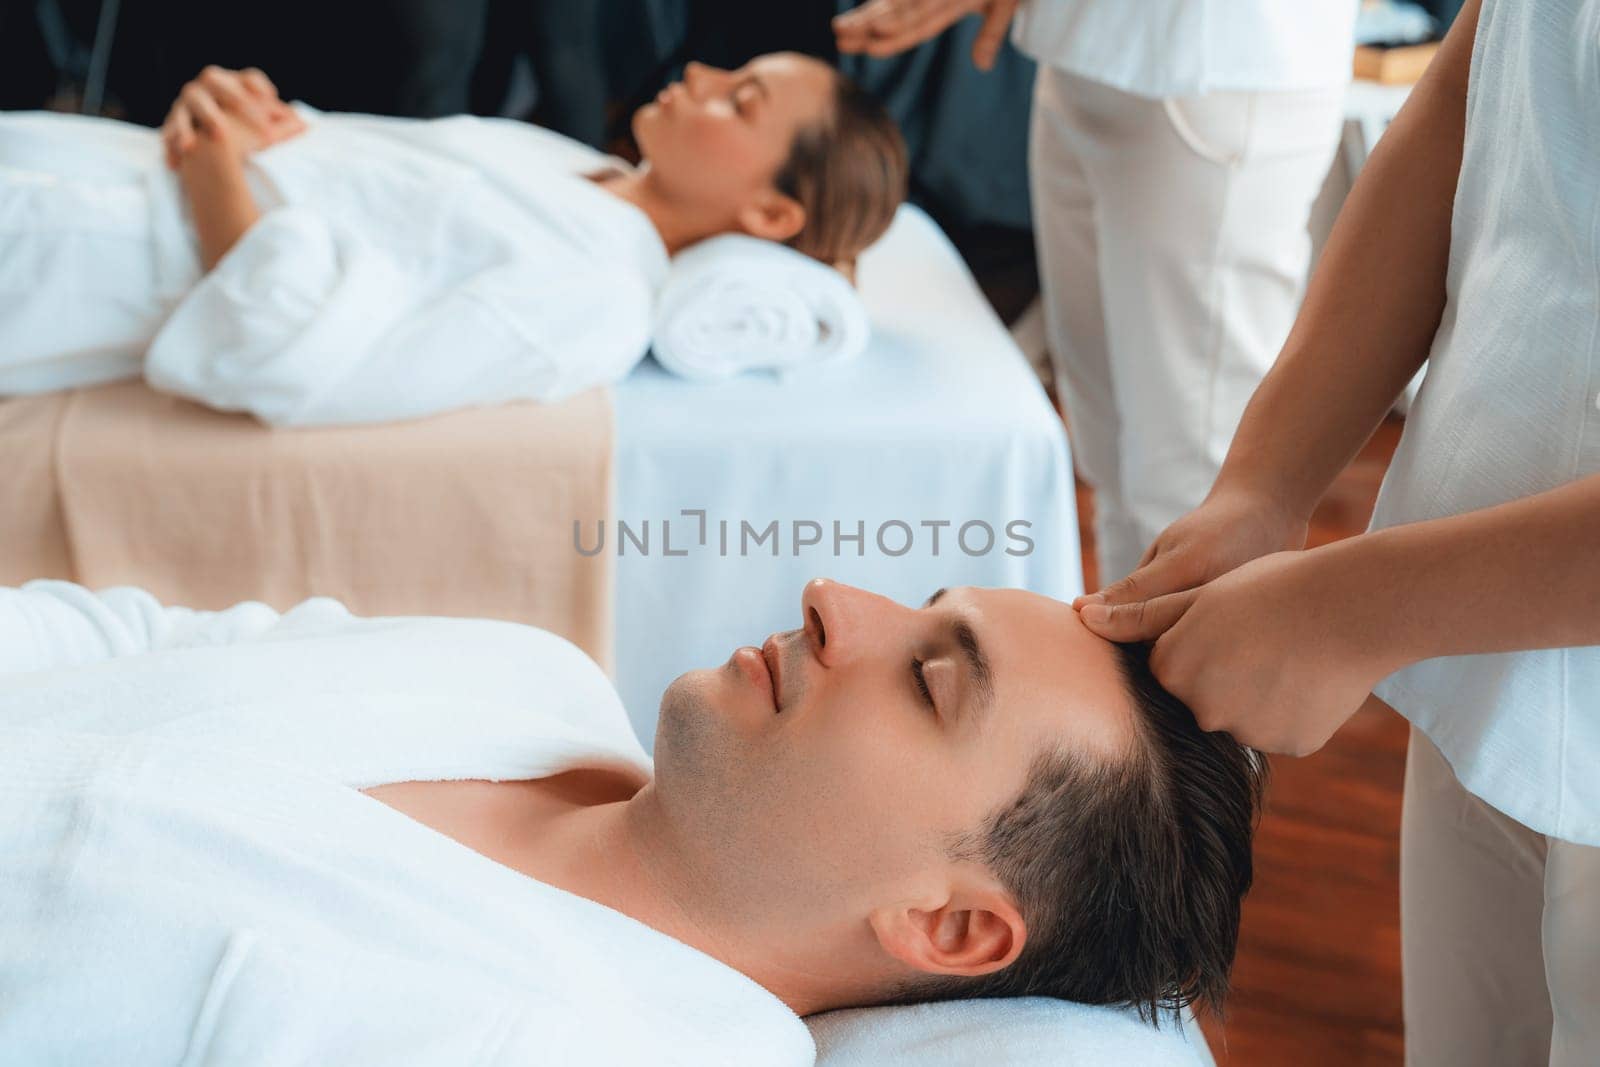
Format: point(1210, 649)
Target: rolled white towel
point(736, 303)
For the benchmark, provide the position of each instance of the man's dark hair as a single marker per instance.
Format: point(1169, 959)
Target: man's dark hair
point(1128, 872)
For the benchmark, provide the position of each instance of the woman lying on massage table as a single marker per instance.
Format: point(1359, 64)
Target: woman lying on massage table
point(244, 837)
point(319, 268)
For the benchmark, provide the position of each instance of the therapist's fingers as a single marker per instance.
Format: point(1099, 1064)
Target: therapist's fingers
point(1142, 620)
point(992, 35)
point(853, 30)
point(886, 16)
point(884, 27)
point(1169, 572)
point(853, 40)
point(893, 45)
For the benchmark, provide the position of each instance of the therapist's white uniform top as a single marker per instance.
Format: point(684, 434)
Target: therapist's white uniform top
point(1511, 402)
point(1163, 48)
point(399, 268)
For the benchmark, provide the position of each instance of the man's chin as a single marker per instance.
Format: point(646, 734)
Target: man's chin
point(685, 709)
point(695, 743)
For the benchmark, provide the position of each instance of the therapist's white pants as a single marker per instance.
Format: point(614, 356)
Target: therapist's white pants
point(1500, 929)
point(1172, 251)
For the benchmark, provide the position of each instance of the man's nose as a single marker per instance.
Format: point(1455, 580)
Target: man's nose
point(843, 623)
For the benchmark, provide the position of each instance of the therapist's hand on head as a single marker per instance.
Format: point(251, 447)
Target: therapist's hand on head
point(1244, 631)
point(887, 27)
point(1274, 652)
point(1232, 527)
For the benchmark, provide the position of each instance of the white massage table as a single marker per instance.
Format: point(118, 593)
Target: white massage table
point(940, 419)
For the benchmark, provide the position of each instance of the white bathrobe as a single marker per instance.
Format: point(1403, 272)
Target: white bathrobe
point(399, 268)
point(192, 876)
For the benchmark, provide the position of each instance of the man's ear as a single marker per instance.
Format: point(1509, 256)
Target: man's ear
point(772, 216)
point(974, 933)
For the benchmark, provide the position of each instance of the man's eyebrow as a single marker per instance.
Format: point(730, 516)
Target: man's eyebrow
point(977, 663)
point(934, 599)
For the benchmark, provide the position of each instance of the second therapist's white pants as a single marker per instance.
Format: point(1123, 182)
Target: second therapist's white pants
point(1173, 251)
point(1500, 928)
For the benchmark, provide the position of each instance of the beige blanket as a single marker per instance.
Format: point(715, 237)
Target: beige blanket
point(468, 514)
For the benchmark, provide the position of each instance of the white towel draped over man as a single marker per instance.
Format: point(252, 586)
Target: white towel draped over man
point(244, 837)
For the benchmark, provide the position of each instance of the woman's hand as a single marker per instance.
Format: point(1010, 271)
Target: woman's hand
point(1231, 528)
point(886, 27)
point(220, 119)
point(1278, 652)
point(238, 111)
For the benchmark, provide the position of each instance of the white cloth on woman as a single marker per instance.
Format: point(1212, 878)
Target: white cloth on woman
point(399, 268)
point(1162, 48)
point(1510, 405)
point(192, 874)
point(1173, 250)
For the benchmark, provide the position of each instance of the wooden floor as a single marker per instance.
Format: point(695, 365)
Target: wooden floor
point(1318, 974)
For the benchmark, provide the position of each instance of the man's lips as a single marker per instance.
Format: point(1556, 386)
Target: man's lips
point(759, 670)
point(773, 657)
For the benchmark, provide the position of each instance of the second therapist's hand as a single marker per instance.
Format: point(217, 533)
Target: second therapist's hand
point(888, 27)
point(1279, 652)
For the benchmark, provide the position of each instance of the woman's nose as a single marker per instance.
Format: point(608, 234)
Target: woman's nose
point(841, 620)
point(694, 76)
point(700, 79)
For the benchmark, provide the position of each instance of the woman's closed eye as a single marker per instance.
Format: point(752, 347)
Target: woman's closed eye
point(922, 683)
point(744, 98)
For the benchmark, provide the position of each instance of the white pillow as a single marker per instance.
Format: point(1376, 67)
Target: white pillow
point(1024, 1032)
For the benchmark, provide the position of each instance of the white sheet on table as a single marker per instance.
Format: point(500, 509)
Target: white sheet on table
point(940, 418)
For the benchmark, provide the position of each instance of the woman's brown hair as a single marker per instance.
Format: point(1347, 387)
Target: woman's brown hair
point(849, 173)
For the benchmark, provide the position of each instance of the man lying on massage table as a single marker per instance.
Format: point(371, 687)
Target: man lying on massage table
point(323, 268)
point(241, 837)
